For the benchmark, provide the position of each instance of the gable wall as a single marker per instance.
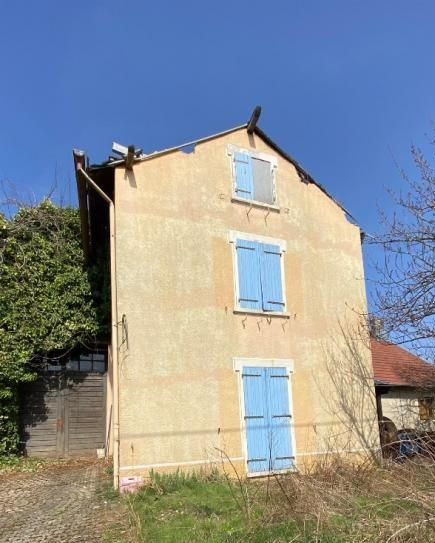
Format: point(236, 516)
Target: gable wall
point(179, 397)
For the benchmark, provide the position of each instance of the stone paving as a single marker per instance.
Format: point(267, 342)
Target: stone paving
point(58, 504)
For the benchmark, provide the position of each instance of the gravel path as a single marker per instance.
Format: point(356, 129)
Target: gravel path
point(58, 504)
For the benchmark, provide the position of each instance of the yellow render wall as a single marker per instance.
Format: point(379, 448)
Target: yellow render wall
point(179, 396)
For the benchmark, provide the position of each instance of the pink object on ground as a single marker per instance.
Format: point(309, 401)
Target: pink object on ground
point(130, 484)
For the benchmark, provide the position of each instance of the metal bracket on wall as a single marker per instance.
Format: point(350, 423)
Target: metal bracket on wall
point(124, 328)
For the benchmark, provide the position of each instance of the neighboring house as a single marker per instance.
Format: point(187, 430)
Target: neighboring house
point(231, 271)
point(405, 386)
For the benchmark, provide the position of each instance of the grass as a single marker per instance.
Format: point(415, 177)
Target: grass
point(334, 504)
point(188, 508)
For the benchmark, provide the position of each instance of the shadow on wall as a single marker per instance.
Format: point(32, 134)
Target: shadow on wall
point(131, 178)
point(350, 397)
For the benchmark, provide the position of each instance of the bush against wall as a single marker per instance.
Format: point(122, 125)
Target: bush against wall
point(45, 299)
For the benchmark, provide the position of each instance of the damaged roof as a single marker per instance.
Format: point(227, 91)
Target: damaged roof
point(393, 365)
point(252, 127)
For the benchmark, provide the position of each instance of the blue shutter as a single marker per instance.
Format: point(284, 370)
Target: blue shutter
point(279, 418)
point(244, 177)
point(271, 281)
point(256, 419)
point(248, 265)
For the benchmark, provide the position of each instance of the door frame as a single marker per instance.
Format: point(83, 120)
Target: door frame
point(238, 365)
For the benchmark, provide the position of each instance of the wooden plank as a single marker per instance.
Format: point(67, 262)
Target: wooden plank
point(42, 429)
point(87, 411)
point(41, 443)
point(86, 444)
point(83, 400)
point(95, 423)
point(74, 398)
point(89, 445)
point(32, 419)
point(43, 446)
point(89, 383)
point(94, 392)
point(91, 418)
point(86, 434)
point(86, 428)
point(93, 410)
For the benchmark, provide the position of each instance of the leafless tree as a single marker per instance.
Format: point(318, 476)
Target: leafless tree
point(405, 295)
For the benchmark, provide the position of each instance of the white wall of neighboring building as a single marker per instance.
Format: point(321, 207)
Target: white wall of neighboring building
point(402, 407)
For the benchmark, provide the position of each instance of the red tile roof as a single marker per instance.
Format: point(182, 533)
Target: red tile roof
point(392, 365)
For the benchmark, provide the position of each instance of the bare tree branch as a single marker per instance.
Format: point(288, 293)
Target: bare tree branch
point(405, 294)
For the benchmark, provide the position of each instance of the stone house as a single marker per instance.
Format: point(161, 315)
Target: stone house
point(231, 268)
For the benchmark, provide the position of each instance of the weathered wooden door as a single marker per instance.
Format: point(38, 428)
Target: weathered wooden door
point(84, 413)
point(63, 414)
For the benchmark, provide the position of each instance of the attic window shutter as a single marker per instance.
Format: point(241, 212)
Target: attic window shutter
point(248, 265)
point(243, 175)
point(271, 281)
point(262, 181)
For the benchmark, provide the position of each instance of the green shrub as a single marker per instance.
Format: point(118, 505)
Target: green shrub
point(45, 300)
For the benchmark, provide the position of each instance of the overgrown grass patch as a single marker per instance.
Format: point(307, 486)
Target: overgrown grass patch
point(394, 503)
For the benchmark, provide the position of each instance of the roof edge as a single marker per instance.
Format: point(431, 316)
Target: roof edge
point(156, 154)
point(305, 176)
point(308, 178)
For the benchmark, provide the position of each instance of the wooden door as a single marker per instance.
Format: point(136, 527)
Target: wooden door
point(85, 413)
point(63, 414)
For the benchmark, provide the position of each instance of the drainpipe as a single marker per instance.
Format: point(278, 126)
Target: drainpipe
point(114, 313)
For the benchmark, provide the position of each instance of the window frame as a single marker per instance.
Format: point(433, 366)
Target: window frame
point(235, 197)
point(288, 364)
point(427, 404)
point(233, 237)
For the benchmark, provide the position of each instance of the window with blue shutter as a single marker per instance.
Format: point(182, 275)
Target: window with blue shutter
point(248, 265)
point(270, 275)
point(267, 419)
point(260, 284)
point(244, 176)
point(254, 178)
point(256, 419)
point(280, 418)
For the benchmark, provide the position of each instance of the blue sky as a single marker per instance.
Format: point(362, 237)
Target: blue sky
point(345, 86)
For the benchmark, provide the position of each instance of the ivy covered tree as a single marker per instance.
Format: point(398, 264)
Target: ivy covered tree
point(45, 299)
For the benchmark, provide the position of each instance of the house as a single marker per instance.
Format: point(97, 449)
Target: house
point(231, 268)
point(405, 386)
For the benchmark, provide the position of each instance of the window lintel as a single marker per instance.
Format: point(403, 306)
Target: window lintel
point(234, 235)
